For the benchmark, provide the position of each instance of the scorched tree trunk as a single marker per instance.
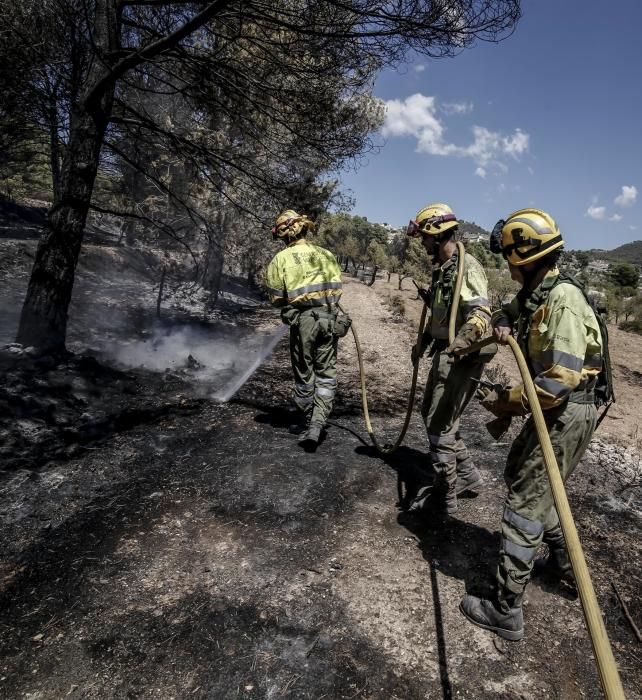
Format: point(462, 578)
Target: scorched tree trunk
point(43, 321)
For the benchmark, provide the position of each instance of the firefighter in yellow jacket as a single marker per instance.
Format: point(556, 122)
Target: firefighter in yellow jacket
point(305, 281)
point(561, 339)
point(449, 388)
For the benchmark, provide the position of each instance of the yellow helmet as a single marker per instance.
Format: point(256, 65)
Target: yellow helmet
point(290, 224)
point(432, 220)
point(526, 235)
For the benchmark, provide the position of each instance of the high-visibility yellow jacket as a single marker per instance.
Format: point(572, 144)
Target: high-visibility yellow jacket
point(303, 275)
point(474, 308)
point(560, 338)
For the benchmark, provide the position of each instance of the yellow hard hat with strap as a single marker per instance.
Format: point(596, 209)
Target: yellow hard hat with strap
point(290, 225)
point(525, 236)
point(433, 220)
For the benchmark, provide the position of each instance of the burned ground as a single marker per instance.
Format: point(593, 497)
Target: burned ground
point(188, 548)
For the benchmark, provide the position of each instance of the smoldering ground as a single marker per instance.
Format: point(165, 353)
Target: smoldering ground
point(156, 544)
point(127, 365)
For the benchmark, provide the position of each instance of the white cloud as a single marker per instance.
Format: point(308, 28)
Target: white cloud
point(627, 197)
point(615, 217)
point(457, 107)
point(419, 68)
point(480, 172)
point(596, 212)
point(417, 116)
point(517, 144)
point(633, 228)
point(413, 116)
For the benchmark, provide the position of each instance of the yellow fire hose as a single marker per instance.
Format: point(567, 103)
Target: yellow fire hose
point(607, 667)
point(387, 449)
point(609, 676)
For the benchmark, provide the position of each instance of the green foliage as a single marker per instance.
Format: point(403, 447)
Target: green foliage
point(415, 262)
point(24, 167)
point(354, 237)
point(482, 253)
point(398, 304)
point(624, 274)
point(614, 304)
point(634, 326)
point(393, 263)
point(582, 258)
point(501, 288)
point(376, 254)
point(633, 307)
point(629, 252)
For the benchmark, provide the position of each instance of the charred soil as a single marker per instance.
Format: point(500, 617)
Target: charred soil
point(188, 548)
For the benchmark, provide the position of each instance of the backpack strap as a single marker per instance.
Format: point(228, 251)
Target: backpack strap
point(604, 392)
point(529, 302)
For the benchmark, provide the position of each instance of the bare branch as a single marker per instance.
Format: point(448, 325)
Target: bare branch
point(155, 48)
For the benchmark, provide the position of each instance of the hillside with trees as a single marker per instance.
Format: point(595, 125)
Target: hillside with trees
point(628, 252)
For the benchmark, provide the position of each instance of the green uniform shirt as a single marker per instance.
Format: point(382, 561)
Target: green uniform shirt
point(563, 343)
point(303, 275)
point(473, 300)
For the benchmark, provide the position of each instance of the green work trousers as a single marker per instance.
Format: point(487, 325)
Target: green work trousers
point(448, 391)
point(529, 510)
point(313, 351)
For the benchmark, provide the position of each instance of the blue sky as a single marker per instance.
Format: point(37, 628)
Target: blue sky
point(549, 118)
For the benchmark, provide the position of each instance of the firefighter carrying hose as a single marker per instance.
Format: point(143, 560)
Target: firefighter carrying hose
point(566, 350)
point(449, 388)
point(304, 280)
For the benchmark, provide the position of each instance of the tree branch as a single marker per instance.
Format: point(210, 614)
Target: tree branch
point(156, 47)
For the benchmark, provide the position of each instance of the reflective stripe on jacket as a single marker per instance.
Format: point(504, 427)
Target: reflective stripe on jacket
point(303, 275)
point(562, 344)
point(473, 300)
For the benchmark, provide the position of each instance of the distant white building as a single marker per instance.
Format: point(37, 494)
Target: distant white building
point(470, 237)
point(393, 232)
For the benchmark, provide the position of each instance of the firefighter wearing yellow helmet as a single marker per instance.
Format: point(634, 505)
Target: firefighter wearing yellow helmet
point(449, 388)
point(304, 280)
point(566, 348)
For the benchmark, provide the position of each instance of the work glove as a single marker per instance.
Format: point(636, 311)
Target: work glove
point(483, 390)
point(494, 401)
point(507, 401)
point(459, 343)
point(467, 336)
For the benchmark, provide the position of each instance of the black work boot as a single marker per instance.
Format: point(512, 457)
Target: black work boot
point(444, 493)
point(312, 436)
point(301, 422)
point(468, 478)
point(297, 428)
point(503, 617)
point(557, 565)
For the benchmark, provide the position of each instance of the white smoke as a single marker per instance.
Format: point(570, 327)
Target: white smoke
point(218, 361)
point(171, 348)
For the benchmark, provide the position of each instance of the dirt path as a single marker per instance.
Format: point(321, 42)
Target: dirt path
point(204, 555)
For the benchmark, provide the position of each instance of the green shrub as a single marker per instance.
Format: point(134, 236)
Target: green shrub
point(634, 326)
point(398, 305)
